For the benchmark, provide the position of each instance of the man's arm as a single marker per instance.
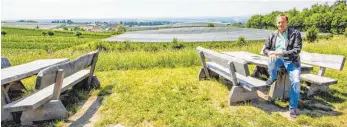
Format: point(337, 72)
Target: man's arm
point(267, 46)
point(296, 47)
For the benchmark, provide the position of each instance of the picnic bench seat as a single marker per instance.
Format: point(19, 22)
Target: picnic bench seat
point(44, 103)
point(319, 83)
point(233, 69)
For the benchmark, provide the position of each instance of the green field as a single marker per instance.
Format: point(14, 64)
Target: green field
point(156, 83)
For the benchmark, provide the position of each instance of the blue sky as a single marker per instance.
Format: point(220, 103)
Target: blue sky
point(98, 9)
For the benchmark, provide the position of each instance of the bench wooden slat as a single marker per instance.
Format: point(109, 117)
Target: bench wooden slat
point(44, 95)
point(251, 83)
point(18, 72)
point(260, 60)
point(48, 75)
point(216, 57)
point(319, 80)
point(223, 60)
point(323, 60)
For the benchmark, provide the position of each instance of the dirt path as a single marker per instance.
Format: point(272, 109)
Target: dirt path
point(88, 115)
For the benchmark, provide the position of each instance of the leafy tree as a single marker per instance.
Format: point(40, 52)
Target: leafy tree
point(255, 22)
point(113, 31)
point(269, 21)
point(69, 22)
point(3, 33)
point(296, 22)
point(338, 23)
point(292, 13)
point(78, 34)
point(120, 29)
point(311, 34)
point(324, 17)
point(44, 33)
point(210, 24)
point(50, 33)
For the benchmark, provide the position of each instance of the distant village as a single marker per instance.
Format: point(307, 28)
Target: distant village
point(99, 26)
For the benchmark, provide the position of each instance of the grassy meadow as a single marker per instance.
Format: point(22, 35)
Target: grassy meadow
point(155, 84)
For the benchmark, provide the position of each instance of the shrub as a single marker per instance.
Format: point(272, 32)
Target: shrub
point(44, 33)
point(210, 24)
point(120, 29)
point(78, 34)
point(175, 44)
point(311, 34)
point(3, 33)
point(241, 41)
point(50, 33)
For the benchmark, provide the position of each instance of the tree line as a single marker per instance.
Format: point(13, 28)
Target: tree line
point(30, 21)
point(327, 19)
point(63, 21)
point(144, 23)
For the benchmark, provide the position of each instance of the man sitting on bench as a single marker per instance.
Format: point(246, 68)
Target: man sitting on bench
point(283, 48)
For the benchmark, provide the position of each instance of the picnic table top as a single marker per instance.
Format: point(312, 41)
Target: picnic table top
point(18, 72)
point(259, 59)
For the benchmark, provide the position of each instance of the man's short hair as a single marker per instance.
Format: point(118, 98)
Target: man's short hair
point(280, 15)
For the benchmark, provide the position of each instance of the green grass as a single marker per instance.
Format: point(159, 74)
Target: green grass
point(24, 38)
point(156, 84)
point(38, 32)
point(174, 97)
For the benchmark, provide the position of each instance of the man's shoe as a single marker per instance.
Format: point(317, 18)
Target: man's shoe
point(269, 82)
point(293, 113)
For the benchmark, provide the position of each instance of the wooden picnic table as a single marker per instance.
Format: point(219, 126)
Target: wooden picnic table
point(16, 73)
point(281, 88)
point(22, 71)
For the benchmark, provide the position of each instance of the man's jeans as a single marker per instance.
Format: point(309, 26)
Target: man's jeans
point(294, 77)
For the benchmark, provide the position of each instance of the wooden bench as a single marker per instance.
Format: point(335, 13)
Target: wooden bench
point(319, 83)
point(233, 69)
point(44, 103)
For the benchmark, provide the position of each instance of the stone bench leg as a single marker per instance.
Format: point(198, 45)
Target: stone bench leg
point(202, 75)
point(314, 88)
point(281, 88)
point(238, 93)
point(5, 115)
point(53, 109)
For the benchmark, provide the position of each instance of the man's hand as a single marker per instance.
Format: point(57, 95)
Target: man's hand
point(278, 53)
point(273, 57)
